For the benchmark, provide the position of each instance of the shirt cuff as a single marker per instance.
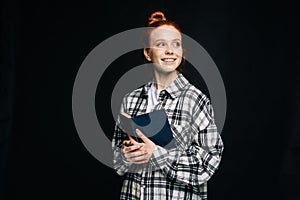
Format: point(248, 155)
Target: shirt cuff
point(158, 159)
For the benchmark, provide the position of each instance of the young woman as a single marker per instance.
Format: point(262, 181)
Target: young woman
point(151, 171)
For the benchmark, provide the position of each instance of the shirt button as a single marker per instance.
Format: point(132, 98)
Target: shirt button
point(143, 186)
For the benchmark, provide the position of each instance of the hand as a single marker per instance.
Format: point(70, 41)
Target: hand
point(138, 153)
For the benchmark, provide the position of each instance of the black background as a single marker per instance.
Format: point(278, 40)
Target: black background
point(43, 43)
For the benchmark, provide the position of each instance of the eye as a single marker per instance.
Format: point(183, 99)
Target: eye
point(177, 44)
point(160, 44)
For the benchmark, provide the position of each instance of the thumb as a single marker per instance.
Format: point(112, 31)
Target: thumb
point(141, 135)
point(131, 139)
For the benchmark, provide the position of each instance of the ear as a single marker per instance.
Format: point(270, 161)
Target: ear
point(147, 54)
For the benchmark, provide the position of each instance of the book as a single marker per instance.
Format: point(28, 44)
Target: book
point(154, 125)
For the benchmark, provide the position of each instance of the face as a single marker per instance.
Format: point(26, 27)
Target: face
point(165, 49)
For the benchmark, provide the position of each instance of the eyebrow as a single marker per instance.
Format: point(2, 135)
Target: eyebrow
point(159, 40)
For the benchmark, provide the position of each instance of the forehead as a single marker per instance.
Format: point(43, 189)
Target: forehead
point(165, 32)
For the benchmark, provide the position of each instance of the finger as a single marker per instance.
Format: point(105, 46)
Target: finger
point(127, 143)
point(139, 158)
point(131, 139)
point(132, 147)
point(134, 154)
point(141, 162)
point(141, 135)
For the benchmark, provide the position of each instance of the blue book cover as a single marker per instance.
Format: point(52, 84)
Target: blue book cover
point(154, 125)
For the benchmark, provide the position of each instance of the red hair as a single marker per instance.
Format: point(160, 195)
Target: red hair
point(158, 18)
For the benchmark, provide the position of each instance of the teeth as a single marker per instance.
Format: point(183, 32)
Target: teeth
point(168, 59)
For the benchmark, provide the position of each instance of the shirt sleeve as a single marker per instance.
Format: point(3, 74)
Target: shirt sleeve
point(119, 161)
point(120, 164)
point(197, 163)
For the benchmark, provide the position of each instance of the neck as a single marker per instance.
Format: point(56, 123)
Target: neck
point(163, 80)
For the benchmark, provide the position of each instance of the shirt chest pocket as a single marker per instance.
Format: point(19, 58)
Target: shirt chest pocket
point(182, 134)
point(179, 118)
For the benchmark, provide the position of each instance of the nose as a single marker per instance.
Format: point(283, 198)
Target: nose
point(169, 51)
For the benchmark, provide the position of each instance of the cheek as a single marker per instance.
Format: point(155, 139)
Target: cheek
point(156, 54)
point(179, 60)
point(178, 52)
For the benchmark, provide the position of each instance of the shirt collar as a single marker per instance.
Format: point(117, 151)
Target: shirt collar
point(174, 89)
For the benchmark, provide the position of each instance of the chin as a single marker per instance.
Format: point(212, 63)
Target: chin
point(166, 68)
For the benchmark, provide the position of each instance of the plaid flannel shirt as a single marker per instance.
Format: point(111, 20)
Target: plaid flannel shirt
point(177, 173)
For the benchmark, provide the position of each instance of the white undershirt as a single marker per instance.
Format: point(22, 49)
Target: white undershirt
point(153, 95)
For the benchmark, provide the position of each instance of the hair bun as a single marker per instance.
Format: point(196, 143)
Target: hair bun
point(155, 17)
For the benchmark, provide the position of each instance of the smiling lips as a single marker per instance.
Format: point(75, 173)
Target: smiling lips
point(168, 60)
